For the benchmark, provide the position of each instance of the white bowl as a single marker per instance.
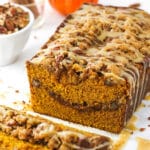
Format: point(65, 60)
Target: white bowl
point(11, 45)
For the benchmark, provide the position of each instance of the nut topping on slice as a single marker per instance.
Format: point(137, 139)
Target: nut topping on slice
point(39, 131)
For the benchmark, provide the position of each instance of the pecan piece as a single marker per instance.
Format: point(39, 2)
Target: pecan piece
point(36, 83)
point(55, 142)
point(109, 82)
point(114, 105)
point(13, 11)
point(9, 25)
point(84, 143)
point(21, 119)
point(3, 30)
point(79, 52)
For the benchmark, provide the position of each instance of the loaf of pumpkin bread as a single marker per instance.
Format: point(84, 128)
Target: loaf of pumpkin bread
point(21, 131)
point(95, 69)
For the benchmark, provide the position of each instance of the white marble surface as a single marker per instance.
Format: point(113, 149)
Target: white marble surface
point(14, 77)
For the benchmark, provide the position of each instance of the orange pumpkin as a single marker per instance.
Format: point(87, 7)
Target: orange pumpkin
point(66, 7)
point(91, 1)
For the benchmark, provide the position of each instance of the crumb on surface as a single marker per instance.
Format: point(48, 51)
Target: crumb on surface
point(142, 129)
point(17, 91)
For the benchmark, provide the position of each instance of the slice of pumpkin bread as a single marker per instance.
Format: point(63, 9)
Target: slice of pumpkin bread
point(21, 131)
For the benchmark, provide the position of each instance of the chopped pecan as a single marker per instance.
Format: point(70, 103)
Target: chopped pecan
point(12, 18)
point(11, 122)
point(36, 83)
point(13, 11)
point(3, 30)
point(23, 133)
point(21, 119)
point(109, 82)
point(114, 105)
point(9, 25)
point(55, 142)
point(79, 52)
point(84, 143)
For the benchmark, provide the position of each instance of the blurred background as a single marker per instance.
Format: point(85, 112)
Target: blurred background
point(52, 12)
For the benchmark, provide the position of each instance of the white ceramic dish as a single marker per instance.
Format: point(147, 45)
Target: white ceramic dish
point(11, 45)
